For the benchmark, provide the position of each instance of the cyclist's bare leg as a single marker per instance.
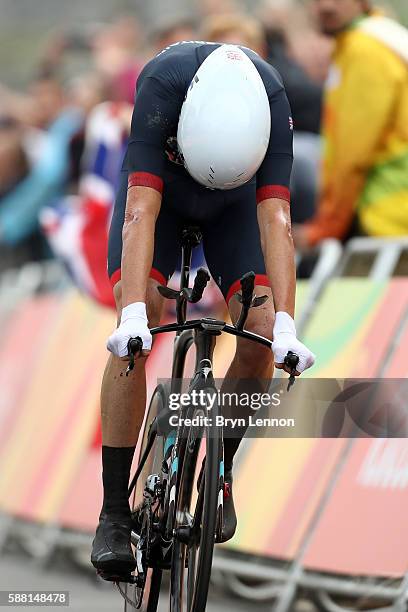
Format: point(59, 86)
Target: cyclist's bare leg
point(123, 402)
point(253, 360)
point(123, 398)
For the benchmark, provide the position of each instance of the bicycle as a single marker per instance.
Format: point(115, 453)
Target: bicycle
point(176, 524)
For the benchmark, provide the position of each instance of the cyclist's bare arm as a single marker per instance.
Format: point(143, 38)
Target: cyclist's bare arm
point(142, 208)
point(278, 251)
point(273, 196)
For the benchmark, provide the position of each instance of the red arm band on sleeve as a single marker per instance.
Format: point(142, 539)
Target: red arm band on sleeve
point(272, 191)
point(145, 179)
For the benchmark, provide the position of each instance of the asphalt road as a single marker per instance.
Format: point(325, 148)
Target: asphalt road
point(86, 592)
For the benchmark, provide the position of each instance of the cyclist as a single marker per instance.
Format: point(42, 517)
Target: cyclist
point(210, 144)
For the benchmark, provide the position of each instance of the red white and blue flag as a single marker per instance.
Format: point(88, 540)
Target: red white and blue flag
point(77, 228)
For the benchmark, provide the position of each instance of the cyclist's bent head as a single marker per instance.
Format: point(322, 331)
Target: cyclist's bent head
point(225, 121)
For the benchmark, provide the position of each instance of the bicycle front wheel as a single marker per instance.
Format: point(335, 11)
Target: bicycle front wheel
point(198, 515)
point(150, 460)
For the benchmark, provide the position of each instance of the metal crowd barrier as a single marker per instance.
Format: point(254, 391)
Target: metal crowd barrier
point(386, 253)
point(16, 285)
point(328, 260)
point(249, 577)
point(260, 580)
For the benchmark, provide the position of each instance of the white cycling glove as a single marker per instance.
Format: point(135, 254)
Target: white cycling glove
point(133, 324)
point(284, 340)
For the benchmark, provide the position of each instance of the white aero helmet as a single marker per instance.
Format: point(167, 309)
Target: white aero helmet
point(225, 121)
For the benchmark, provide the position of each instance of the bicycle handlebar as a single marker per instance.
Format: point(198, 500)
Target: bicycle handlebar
point(135, 344)
point(198, 323)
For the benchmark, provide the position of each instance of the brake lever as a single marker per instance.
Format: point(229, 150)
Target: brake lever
point(130, 365)
point(134, 346)
point(291, 361)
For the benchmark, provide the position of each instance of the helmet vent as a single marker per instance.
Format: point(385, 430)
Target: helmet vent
point(195, 80)
point(237, 178)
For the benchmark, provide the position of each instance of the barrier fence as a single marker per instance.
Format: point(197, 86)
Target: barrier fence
point(328, 512)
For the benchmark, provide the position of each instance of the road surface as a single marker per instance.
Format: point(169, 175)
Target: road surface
point(87, 593)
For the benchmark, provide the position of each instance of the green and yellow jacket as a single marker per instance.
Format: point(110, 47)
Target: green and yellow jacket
point(365, 133)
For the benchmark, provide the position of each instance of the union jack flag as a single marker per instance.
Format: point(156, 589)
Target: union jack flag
point(77, 227)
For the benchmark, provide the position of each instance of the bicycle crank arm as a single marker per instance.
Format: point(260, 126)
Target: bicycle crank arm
point(130, 579)
point(134, 538)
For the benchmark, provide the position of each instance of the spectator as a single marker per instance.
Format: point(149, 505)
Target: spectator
point(116, 54)
point(47, 101)
point(13, 160)
point(365, 126)
point(211, 8)
point(14, 167)
point(15, 107)
point(19, 207)
point(169, 30)
point(235, 28)
point(287, 29)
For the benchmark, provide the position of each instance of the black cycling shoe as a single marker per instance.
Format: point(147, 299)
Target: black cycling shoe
point(229, 523)
point(111, 550)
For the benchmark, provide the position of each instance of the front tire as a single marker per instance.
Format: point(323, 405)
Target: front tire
point(153, 465)
point(201, 514)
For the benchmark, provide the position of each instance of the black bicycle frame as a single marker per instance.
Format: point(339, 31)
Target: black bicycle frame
point(201, 332)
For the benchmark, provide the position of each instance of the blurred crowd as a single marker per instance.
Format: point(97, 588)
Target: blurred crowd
point(62, 139)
